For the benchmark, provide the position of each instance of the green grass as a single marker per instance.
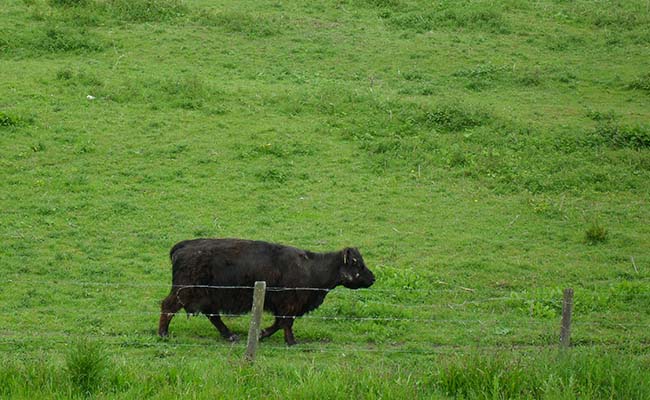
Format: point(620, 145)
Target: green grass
point(483, 155)
point(280, 373)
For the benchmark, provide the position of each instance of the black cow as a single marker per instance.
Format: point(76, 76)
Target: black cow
point(201, 263)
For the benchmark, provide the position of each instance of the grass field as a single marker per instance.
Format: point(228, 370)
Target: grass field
point(483, 155)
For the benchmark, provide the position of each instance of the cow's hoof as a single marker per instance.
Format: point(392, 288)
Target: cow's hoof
point(233, 338)
point(292, 343)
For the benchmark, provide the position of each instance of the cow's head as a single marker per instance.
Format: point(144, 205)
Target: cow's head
point(354, 274)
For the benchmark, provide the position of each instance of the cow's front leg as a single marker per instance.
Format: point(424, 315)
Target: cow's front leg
point(170, 306)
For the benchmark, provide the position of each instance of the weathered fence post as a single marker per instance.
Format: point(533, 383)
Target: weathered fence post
point(567, 309)
point(256, 320)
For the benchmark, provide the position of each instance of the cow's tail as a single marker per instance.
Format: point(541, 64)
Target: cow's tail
point(173, 256)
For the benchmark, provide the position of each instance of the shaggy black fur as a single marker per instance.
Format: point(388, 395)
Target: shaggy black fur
point(237, 262)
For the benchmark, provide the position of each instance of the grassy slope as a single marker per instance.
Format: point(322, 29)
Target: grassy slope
point(458, 144)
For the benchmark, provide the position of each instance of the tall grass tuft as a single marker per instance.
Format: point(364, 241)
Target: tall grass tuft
point(570, 375)
point(489, 377)
point(86, 365)
point(595, 233)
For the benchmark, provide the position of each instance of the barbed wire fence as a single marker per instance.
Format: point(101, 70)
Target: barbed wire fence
point(128, 339)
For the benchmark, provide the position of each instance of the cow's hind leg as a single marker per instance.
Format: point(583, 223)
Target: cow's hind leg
point(287, 325)
point(222, 328)
point(289, 339)
point(271, 329)
point(170, 306)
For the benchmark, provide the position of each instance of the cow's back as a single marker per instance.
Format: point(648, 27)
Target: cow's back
point(223, 262)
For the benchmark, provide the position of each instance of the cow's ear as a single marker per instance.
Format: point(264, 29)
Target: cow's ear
point(347, 254)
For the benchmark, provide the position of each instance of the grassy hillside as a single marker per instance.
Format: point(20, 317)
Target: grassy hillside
point(483, 155)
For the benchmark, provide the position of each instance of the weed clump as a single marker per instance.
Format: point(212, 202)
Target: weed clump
point(595, 234)
point(273, 176)
point(7, 120)
point(641, 83)
point(618, 135)
point(455, 117)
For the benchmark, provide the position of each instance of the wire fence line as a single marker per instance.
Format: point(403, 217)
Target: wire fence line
point(225, 287)
point(344, 318)
point(424, 348)
point(464, 303)
point(456, 289)
point(513, 298)
point(309, 317)
point(474, 324)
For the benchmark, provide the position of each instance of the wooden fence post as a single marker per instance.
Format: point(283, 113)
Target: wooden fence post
point(256, 320)
point(567, 309)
